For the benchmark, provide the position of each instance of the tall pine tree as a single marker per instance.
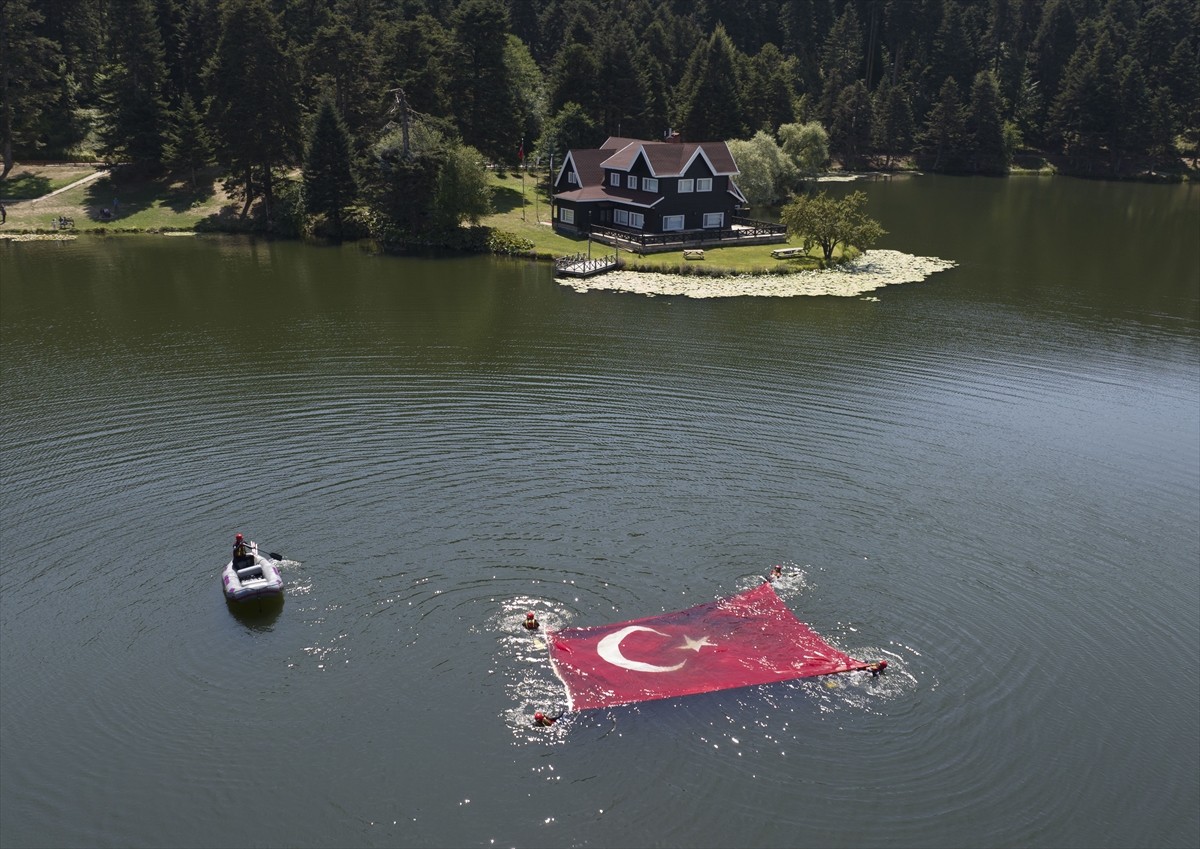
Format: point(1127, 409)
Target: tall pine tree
point(253, 110)
point(132, 92)
point(329, 185)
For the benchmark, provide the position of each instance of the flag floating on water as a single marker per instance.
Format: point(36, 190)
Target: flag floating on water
point(746, 639)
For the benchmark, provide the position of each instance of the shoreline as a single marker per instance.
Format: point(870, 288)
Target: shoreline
point(872, 270)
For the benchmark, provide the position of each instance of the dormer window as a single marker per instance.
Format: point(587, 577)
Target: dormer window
point(614, 179)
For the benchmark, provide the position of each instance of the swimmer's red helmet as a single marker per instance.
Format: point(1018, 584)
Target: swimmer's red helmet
point(539, 716)
point(883, 664)
point(529, 615)
point(238, 537)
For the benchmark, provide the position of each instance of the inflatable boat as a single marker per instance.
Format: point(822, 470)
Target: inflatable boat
point(253, 577)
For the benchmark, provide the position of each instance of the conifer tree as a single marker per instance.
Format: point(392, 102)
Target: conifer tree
point(132, 90)
point(187, 147)
point(944, 135)
point(985, 126)
point(853, 118)
point(329, 185)
point(27, 61)
point(711, 106)
point(253, 111)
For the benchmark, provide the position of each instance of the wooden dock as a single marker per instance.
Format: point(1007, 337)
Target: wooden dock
point(580, 265)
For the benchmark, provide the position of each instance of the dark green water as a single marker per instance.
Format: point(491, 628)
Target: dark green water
point(991, 478)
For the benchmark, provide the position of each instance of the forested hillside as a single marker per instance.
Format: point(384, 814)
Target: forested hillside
point(1104, 87)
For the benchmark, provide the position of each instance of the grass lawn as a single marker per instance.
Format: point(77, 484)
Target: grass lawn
point(165, 204)
point(25, 182)
point(526, 213)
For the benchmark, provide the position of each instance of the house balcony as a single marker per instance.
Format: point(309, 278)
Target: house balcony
point(742, 231)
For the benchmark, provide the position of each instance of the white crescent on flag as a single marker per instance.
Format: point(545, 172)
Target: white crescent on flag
point(609, 648)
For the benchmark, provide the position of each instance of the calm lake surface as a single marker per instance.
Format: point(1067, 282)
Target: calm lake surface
point(991, 478)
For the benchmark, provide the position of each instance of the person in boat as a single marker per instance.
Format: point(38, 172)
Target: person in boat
point(877, 667)
point(531, 623)
point(241, 553)
point(776, 572)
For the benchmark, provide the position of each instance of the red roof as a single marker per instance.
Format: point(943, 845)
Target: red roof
point(670, 159)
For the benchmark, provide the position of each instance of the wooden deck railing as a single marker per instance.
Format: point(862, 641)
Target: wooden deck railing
point(743, 230)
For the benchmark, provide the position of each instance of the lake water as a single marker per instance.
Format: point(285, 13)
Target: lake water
point(991, 478)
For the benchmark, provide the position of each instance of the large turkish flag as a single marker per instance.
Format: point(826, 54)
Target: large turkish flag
point(750, 638)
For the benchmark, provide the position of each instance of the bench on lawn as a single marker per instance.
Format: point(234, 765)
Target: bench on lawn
point(788, 253)
point(693, 253)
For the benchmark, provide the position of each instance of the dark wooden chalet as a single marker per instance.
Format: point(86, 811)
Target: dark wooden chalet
point(655, 195)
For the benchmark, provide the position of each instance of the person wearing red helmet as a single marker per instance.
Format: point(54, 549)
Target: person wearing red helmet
point(241, 553)
point(531, 623)
point(540, 718)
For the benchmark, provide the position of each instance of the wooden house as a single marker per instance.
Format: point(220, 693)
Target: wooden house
point(656, 194)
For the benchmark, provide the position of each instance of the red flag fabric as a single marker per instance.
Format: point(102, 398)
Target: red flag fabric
point(521, 151)
point(746, 639)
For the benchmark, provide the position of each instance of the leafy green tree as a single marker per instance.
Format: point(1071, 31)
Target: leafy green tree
point(766, 172)
point(132, 91)
point(463, 191)
point(27, 75)
point(401, 183)
point(187, 147)
point(807, 145)
point(528, 87)
point(329, 185)
point(711, 106)
point(252, 106)
point(828, 223)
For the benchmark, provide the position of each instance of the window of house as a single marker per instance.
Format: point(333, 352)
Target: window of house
point(565, 215)
point(686, 186)
point(614, 179)
point(672, 222)
point(621, 216)
point(572, 178)
point(649, 184)
point(631, 182)
point(636, 219)
point(704, 184)
point(714, 219)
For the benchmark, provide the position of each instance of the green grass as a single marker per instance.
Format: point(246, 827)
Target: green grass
point(525, 212)
point(25, 182)
point(164, 204)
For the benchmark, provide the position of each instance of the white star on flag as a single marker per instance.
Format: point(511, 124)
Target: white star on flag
point(695, 645)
